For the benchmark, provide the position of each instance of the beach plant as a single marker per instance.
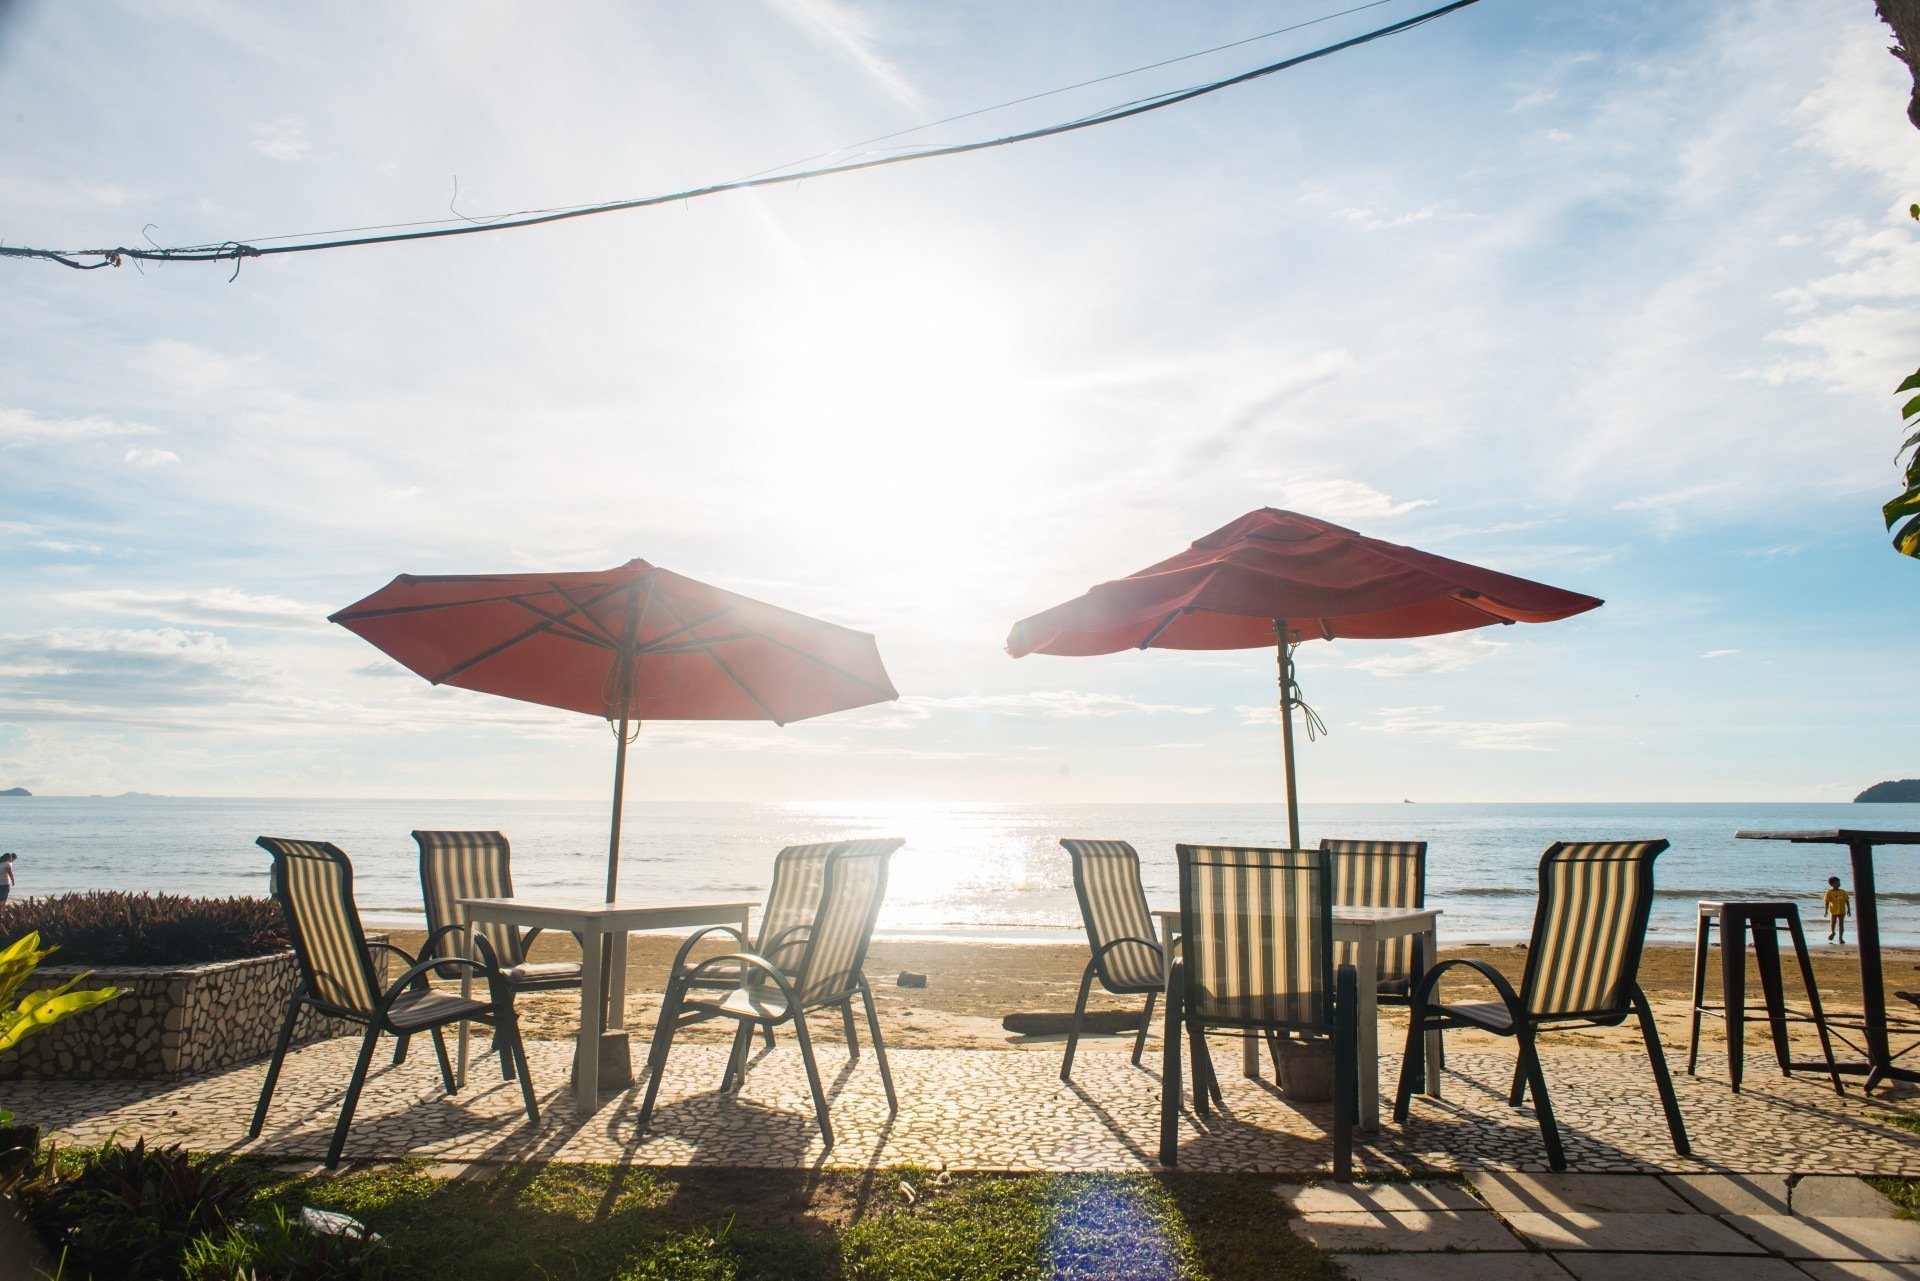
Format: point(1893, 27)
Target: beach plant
point(284, 1246)
point(113, 927)
point(1904, 511)
point(22, 1016)
point(128, 1210)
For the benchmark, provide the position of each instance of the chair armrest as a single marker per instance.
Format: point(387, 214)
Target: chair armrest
point(747, 961)
point(398, 951)
point(1102, 951)
point(499, 989)
point(1423, 991)
point(680, 957)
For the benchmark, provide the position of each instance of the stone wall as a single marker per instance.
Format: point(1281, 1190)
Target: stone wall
point(174, 1021)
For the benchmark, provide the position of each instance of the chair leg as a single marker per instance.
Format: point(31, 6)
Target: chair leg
point(735, 1075)
point(853, 1038)
point(1517, 1093)
point(1202, 1068)
point(1766, 955)
point(400, 1048)
point(273, 1068)
point(1412, 1065)
point(1079, 1017)
point(1702, 929)
point(1542, 1109)
point(1651, 1035)
point(446, 1064)
point(1813, 998)
point(1170, 1074)
point(879, 1045)
point(508, 1031)
point(1146, 1021)
point(657, 1057)
point(353, 1095)
point(1346, 1070)
point(813, 1080)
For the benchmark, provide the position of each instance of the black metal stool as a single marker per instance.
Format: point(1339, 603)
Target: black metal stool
point(1765, 918)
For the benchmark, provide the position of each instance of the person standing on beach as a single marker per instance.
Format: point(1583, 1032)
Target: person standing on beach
point(1838, 904)
point(6, 874)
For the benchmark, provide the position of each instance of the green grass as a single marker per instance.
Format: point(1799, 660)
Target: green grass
point(570, 1221)
point(1904, 1193)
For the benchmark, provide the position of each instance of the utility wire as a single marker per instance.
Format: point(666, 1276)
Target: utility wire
point(238, 252)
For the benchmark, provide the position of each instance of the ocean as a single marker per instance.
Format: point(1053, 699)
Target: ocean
point(975, 871)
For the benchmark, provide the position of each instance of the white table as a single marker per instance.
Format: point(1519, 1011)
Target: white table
point(1367, 928)
point(593, 922)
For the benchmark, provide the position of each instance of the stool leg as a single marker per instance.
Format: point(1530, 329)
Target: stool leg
point(1766, 951)
point(1700, 942)
point(1813, 998)
point(1733, 988)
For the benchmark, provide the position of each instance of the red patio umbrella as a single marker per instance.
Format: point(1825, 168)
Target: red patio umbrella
point(631, 644)
point(1278, 578)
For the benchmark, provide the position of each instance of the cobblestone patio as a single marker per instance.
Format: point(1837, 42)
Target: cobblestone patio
point(1002, 1109)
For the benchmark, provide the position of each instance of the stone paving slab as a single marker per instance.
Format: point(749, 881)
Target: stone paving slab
point(1677, 1267)
point(1405, 1231)
point(1002, 1109)
point(1839, 1196)
point(1887, 1240)
point(1823, 1270)
point(1507, 1190)
point(1640, 1233)
point(1457, 1267)
point(1332, 1197)
point(1732, 1193)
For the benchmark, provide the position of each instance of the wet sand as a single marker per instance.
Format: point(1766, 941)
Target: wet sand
point(972, 986)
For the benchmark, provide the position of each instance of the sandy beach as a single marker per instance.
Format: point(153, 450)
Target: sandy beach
point(972, 986)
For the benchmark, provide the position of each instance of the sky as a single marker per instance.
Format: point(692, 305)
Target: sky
point(1611, 295)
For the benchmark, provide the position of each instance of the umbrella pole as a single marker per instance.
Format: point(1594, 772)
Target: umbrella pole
point(1286, 732)
point(619, 798)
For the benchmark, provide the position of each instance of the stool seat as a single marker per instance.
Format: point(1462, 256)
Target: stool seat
point(1764, 919)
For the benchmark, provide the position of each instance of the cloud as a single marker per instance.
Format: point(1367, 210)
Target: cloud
point(38, 537)
point(1061, 704)
point(150, 457)
point(1336, 498)
point(23, 427)
point(1374, 220)
point(1433, 654)
point(849, 34)
point(210, 607)
point(1720, 653)
point(284, 139)
point(1482, 736)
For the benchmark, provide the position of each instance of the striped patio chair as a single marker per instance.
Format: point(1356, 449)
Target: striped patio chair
point(1127, 956)
point(1382, 874)
point(799, 876)
point(1256, 958)
point(819, 968)
point(313, 883)
point(1582, 967)
point(457, 865)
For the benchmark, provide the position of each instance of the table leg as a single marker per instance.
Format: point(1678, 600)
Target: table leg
point(617, 989)
point(1873, 992)
point(1436, 1044)
point(1766, 954)
point(1367, 1012)
point(1733, 989)
point(586, 1052)
point(466, 993)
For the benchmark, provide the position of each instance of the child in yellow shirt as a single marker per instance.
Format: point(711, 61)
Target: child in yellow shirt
point(1838, 903)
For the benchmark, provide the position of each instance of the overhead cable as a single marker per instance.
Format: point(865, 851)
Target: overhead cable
point(238, 252)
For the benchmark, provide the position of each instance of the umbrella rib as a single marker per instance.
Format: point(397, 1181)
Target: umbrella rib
point(557, 624)
point(1159, 627)
point(725, 670)
point(1463, 598)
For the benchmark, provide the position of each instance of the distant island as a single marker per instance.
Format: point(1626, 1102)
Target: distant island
point(15, 791)
point(1896, 791)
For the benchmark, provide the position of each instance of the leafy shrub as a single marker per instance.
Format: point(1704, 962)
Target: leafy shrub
point(284, 1248)
point(127, 1212)
point(113, 927)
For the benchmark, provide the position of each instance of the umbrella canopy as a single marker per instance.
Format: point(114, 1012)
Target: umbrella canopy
point(630, 644)
point(1278, 578)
